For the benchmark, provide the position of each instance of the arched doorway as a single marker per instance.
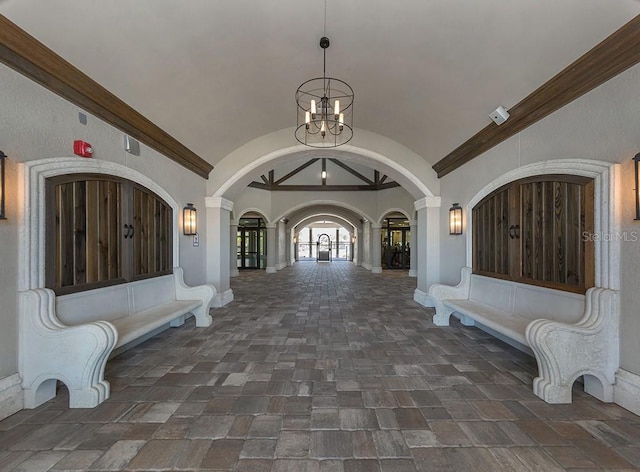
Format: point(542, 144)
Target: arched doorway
point(396, 242)
point(338, 240)
point(251, 243)
point(324, 246)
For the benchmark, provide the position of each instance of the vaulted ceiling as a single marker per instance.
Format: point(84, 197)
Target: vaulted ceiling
point(217, 74)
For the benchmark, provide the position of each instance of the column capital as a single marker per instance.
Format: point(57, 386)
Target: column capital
point(413, 223)
point(427, 202)
point(376, 226)
point(271, 225)
point(233, 222)
point(218, 202)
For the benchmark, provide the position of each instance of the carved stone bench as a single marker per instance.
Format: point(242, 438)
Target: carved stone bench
point(571, 335)
point(69, 338)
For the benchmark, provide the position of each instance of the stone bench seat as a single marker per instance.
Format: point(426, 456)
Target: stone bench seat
point(70, 338)
point(511, 325)
point(571, 335)
point(137, 325)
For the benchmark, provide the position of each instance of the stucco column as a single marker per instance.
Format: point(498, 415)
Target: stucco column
point(233, 249)
point(288, 247)
point(272, 244)
point(428, 257)
point(413, 253)
point(218, 245)
point(376, 249)
point(357, 248)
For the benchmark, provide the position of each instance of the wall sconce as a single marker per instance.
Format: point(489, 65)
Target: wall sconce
point(637, 189)
point(3, 156)
point(189, 220)
point(455, 219)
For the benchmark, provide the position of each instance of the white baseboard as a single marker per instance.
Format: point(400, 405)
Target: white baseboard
point(270, 270)
point(281, 265)
point(413, 273)
point(626, 391)
point(234, 272)
point(376, 270)
point(366, 265)
point(222, 299)
point(11, 396)
point(422, 298)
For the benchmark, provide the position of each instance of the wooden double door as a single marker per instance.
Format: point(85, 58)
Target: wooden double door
point(537, 231)
point(103, 230)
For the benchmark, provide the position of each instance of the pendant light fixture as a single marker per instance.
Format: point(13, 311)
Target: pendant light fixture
point(324, 108)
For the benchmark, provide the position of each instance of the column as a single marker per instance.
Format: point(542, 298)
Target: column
point(271, 248)
point(218, 245)
point(358, 248)
point(413, 253)
point(233, 249)
point(428, 250)
point(288, 246)
point(376, 248)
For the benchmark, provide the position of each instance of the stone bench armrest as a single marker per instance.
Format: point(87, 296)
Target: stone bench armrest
point(567, 351)
point(440, 292)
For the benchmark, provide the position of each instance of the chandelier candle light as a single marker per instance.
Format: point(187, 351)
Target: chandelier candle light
point(324, 109)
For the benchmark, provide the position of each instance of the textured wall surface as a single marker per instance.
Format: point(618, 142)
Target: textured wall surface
point(37, 124)
point(601, 125)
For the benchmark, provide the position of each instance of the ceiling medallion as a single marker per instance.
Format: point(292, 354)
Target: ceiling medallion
point(324, 109)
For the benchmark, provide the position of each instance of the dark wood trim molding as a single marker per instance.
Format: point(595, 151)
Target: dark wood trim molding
point(34, 60)
point(323, 188)
point(612, 56)
point(269, 183)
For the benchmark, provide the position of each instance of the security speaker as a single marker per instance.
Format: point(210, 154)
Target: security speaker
point(499, 115)
point(131, 145)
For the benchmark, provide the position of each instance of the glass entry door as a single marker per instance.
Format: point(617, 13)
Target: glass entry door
point(395, 245)
point(252, 244)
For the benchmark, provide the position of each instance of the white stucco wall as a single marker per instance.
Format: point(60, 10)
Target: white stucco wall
point(602, 125)
point(37, 124)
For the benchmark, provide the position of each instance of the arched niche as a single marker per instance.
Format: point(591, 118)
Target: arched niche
point(32, 218)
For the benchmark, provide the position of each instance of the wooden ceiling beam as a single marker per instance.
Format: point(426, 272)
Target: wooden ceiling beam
point(26, 55)
point(614, 55)
point(296, 170)
point(352, 171)
point(323, 188)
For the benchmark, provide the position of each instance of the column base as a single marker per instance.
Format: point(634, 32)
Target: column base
point(376, 270)
point(423, 298)
point(222, 299)
point(413, 273)
point(626, 391)
point(270, 270)
point(234, 273)
point(11, 396)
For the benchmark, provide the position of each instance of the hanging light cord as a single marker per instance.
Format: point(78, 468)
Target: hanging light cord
point(324, 50)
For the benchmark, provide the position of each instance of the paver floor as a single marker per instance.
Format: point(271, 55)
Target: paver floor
point(322, 368)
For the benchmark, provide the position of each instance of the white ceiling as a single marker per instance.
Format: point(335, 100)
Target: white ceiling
point(218, 73)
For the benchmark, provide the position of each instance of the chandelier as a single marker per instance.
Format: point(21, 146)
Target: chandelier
point(324, 109)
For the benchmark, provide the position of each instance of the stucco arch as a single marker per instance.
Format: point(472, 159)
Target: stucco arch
point(244, 211)
point(394, 210)
point(606, 209)
point(353, 219)
point(34, 175)
point(357, 214)
point(331, 218)
point(248, 162)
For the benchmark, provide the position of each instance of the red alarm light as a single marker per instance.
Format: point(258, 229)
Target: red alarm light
point(82, 149)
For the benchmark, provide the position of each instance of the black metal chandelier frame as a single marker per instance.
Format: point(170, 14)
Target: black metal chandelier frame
point(324, 109)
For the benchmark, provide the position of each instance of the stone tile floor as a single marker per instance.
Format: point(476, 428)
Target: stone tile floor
point(322, 368)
